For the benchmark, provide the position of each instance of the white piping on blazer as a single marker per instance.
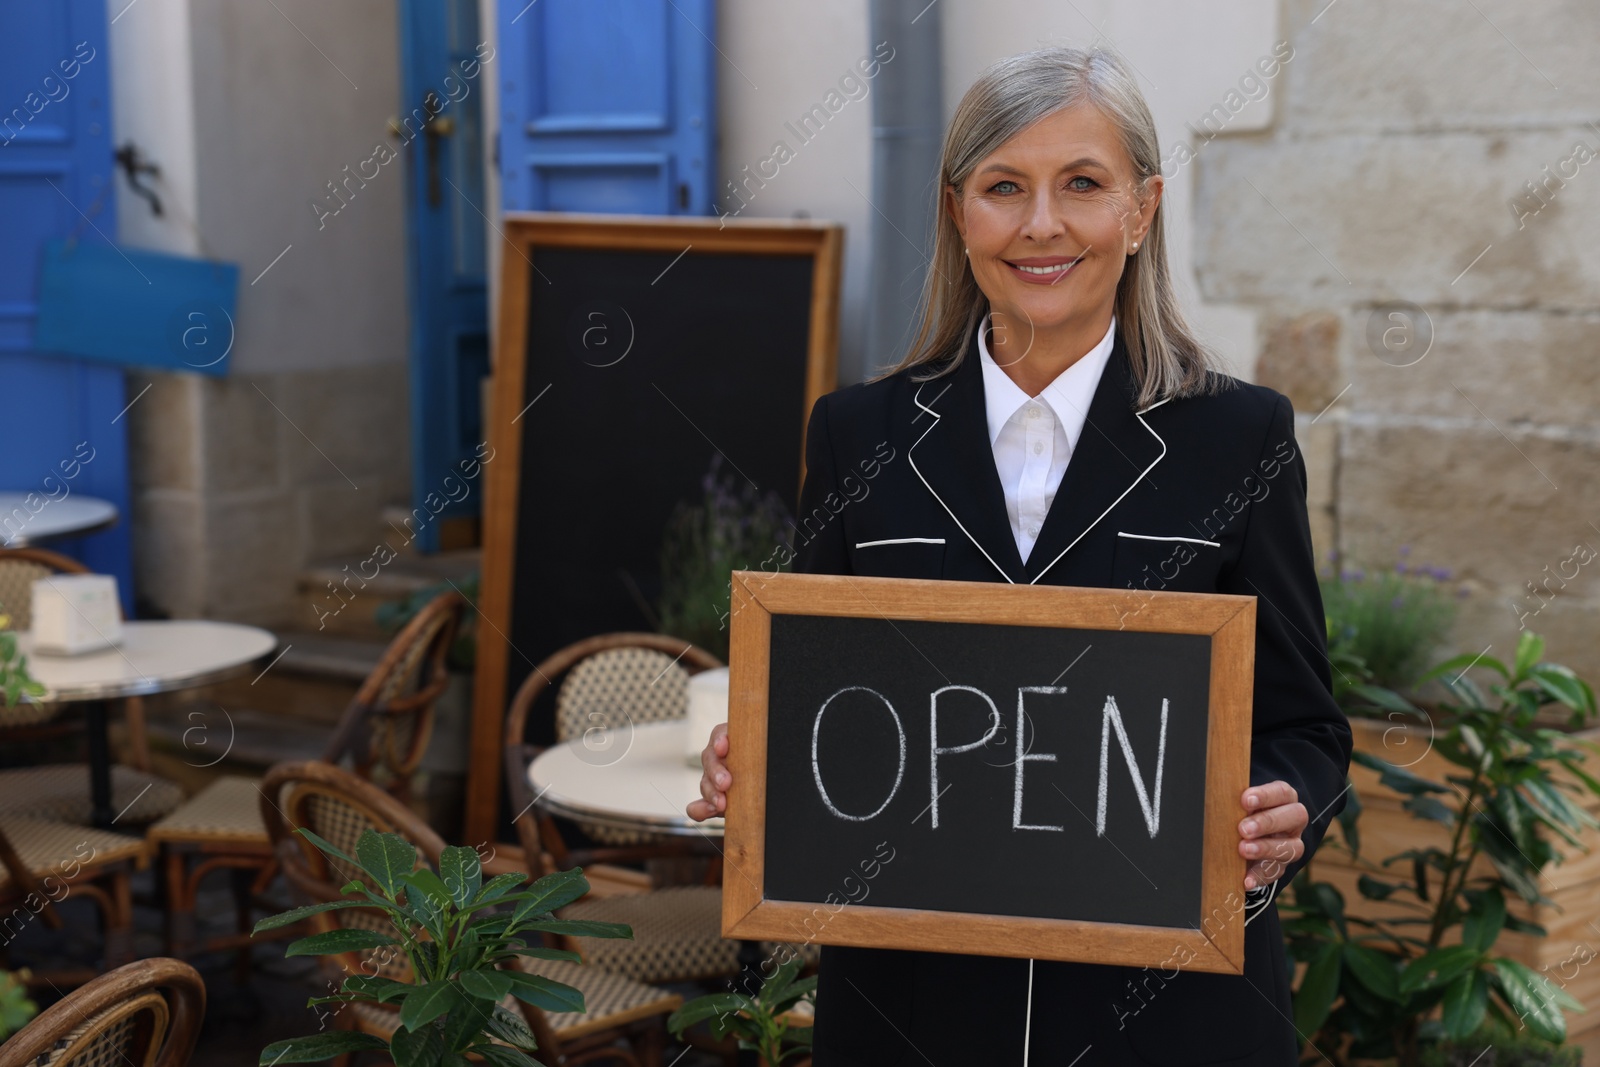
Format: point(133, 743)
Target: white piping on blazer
point(916, 398)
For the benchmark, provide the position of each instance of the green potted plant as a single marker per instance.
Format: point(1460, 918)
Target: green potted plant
point(15, 681)
point(1413, 961)
point(15, 1007)
point(461, 936)
point(759, 1023)
point(733, 527)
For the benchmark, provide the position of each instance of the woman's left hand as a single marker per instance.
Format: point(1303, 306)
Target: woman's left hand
point(1269, 836)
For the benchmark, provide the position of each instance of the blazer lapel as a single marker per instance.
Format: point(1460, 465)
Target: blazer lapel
point(952, 455)
point(1116, 450)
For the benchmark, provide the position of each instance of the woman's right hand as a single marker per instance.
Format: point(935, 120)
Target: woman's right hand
point(715, 779)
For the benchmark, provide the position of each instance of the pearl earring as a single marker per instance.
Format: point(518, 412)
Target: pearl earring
point(966, 251)
point(1136, 246)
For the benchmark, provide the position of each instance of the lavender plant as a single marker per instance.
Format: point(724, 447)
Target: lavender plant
point(734, 526)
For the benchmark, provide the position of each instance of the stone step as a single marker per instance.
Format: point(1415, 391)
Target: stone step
point(336, 598)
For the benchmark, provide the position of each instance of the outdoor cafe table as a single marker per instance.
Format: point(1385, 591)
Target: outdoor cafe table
point(154, 656)
point(632, 777)
point(68, 517)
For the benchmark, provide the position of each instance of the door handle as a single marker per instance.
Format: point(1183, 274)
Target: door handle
point(434, 130)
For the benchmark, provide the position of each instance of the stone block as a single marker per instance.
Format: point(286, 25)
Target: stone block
point(1428, 218)
point(1300, 358)
point(253, 554)
point(164, 438)
point(169, 548)
point(1521, 367)
point(1468, 499)
point(347, 427)
point(241, 436)
point(1367, 65)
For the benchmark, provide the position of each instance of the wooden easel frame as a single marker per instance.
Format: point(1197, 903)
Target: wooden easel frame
point(525, 233)
point(1228, 620)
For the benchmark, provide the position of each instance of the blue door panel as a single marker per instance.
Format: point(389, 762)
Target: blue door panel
point(607, 105)
point(55, 182)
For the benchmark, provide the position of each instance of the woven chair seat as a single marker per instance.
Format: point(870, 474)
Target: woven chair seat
point(60, 791)
point(28, 713)
point(611, 1000)
point(677, 935)
point(56, 849)
point(227, 811)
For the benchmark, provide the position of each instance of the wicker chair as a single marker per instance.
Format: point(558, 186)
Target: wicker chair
point(43, 862)
point(61, 791)
point(384, 732)
point(338, 806)
point(147, 1014)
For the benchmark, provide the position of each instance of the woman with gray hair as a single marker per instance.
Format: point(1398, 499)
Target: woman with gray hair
point(1061, 423)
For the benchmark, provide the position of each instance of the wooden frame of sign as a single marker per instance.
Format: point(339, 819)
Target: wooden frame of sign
point(526, 235)
point(1229, 622)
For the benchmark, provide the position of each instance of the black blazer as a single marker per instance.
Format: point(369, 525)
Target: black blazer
point(1204, 494)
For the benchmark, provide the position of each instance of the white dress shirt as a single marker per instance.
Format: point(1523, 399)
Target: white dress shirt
point(1033, 437)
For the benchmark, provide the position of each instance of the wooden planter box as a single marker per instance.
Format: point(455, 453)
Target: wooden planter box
point(1569, 956)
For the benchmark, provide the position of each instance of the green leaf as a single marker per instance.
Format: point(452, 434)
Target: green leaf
point(1388, 700)
point(1398, 778)
point(551, 892)
point(327, 848)
point(1456, 664)
point(1430, 808)
point(315, 1048)
point(540, 952)
point(417, 1047)
point(377, 987)
point(1373, 889)
point(429, 884)
point(1314, 998)
point(349, 939)
point(1536, 1001)
point(581, 928)
point(1464, 1002)
point(490, 985)
point(511, 1028)
point(499, 886)
point(1530, 650)
point(1374, 970)
point(500, 1056)
point(1438, 968)
point(387, 858)
point(429, 1002)
point(1562, 685)
point(545, 993)
point(1484, 920)
point(287, 918)
point(706, 1007)
point(462, 872)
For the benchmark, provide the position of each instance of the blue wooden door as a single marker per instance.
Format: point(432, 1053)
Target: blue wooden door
point(58, 416)
point(444, 62)
point(608, 105)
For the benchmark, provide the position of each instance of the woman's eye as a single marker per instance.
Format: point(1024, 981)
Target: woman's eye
point(1089, 183)
point(996, 187)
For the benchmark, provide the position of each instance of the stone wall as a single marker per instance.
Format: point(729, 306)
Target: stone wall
point(241, 482)
point(1419, 230)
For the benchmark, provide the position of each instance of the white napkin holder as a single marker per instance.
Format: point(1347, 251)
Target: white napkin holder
point(75, 613)
point(708, 706)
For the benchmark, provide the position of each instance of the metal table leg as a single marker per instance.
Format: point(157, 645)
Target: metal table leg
point(100, 813)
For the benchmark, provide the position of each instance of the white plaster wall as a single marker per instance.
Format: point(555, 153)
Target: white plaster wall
point(152, 93)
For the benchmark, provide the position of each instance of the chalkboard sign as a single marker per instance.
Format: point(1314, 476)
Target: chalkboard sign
point(630, 351)
point(1031, 771)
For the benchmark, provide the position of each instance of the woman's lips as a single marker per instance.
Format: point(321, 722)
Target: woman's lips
point(1049, 276)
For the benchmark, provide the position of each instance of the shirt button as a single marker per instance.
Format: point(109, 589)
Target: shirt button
point(1033, 413)
point(1038, 447)
point(1033, 531)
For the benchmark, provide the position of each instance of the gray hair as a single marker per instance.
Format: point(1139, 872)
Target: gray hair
point(1167, 358)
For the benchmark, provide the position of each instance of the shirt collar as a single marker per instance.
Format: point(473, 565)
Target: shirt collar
point(1068, 395)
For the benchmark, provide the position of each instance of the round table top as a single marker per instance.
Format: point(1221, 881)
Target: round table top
point(67, 517)
point(633, 777)
point(154, 656)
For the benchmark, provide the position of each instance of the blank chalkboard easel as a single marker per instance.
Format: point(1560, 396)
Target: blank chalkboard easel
point(629, 351)
point(1031, 771)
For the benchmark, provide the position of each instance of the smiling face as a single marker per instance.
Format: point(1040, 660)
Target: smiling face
point(1049, 219)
